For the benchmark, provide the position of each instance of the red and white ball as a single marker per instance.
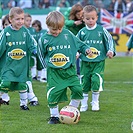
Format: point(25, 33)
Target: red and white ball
point(69, 115)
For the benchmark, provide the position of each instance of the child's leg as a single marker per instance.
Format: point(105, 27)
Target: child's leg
point(95, 101)
point(23, 96)
point(1, 101)
point(44, 75)
point(3, 87)
point(39, 73)
point(84, 103)
point(31, 96)
point(54, 112)
point(33, 68)
point(5, 98)
point(74, 103)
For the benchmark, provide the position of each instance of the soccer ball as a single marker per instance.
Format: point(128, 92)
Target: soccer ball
point(69, 115)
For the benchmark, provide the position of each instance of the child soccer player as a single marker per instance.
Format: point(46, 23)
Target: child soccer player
point(129, 44)
point(41, 72)
point(27, 24)
point(92, 68)
point(5, 96)
point(33, 100)
point(16, 43)
point(59, 47)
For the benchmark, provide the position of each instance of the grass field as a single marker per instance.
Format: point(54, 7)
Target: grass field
point(115, 113)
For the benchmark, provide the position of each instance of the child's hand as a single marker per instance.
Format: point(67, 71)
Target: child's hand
point(110, 54)
point(89, 52)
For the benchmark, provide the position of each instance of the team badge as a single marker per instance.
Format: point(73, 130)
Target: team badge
point(59, 60)
point(95, 53)
point(24, 34)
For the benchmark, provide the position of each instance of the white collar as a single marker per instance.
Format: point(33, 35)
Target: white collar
point(92, 28)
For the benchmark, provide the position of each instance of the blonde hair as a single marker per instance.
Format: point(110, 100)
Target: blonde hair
point(27, 15)
point(15, 10)
point(55, 20)
point(90, 8)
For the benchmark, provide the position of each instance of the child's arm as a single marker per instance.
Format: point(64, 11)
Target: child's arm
point(109, 44)
point(2, 43)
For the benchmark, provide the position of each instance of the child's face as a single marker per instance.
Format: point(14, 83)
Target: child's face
point(90, 18)
point(17, 21)
point(6, 24)
point(27, 21)
point(54, 32)
point(79, 15)
point(36, 27)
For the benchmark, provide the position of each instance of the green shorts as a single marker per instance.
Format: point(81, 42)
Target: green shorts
point(92, 73)
point(6, 86)
point(58, 82)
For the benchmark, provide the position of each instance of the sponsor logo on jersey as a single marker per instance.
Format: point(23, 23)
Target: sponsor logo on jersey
point(95, 53)
point(15, 43)
point(59, 47)
point(59, 60)
point(94, 42)
point(17, 54)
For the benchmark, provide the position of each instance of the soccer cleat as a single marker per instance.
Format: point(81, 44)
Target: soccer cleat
point(24, 107)
point(33, 103)
point(34, 78)
point(83, 108)
point(5, 103)
point(95, 106)
point(53, 120)
point(44, 80)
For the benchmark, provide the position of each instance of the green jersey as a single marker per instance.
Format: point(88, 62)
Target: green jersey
point(16, 45)
point(60, 51)
point(37, 35)
point(99, 40)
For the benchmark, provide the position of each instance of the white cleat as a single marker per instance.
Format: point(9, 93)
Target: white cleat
point(83, 108)
point(95, 106)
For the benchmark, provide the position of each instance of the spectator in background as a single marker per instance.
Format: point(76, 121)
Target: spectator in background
point(11, 3)
point(119, 6)
point(44, 4)
point(63, 3)
point(111, 6)
point(98, 4)
point(35, 3)
point(25, 4)
point(84, 2)
point(106, 3)
point(129, 6)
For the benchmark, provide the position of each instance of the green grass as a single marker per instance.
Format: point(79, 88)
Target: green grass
point(115, 104)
